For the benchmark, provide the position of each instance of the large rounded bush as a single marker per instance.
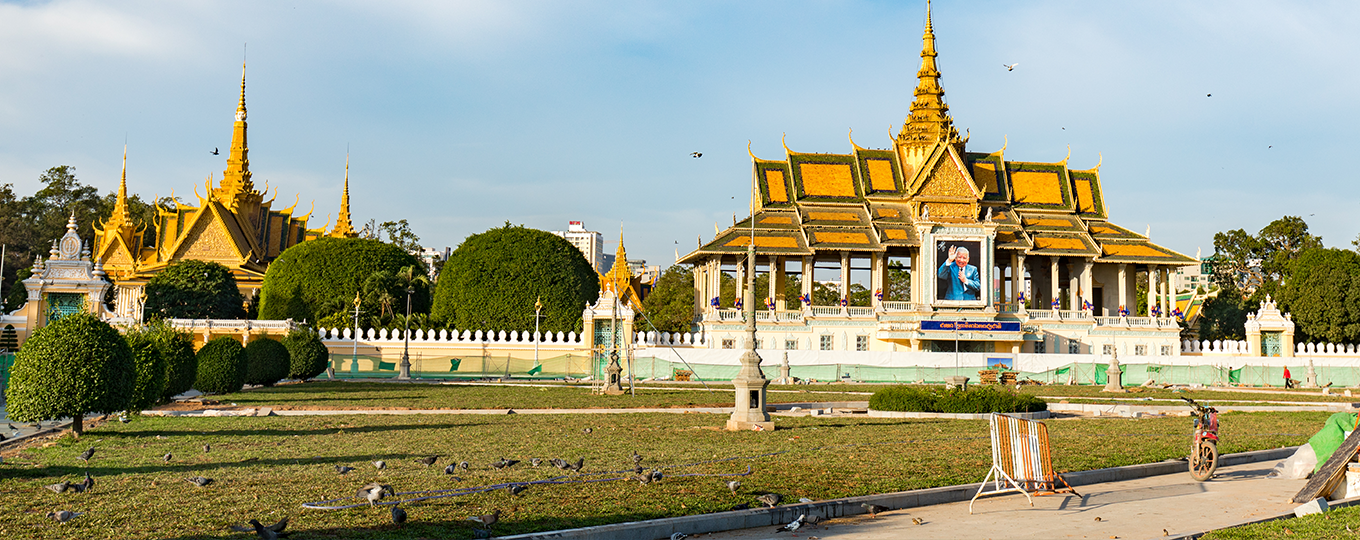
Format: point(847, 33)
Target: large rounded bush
point(492, 280)
point(309, 277)
point(308, 356)
point(221, 367)
point(73, 366)
point(266, 362)
point(193, 289)
point(181, 364)
point(976, 400)
point(151, 370)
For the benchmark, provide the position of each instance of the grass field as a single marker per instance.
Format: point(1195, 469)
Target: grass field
point(1332, 524)
point(267, 467)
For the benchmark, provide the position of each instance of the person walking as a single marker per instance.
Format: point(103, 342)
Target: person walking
point(1288, 383)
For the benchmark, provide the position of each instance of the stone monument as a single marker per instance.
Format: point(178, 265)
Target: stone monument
point(1114, 376)
point(750, 383)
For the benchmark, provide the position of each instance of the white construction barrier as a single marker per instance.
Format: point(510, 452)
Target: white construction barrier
point(1020, 457)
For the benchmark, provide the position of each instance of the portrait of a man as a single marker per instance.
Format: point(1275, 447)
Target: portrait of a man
point(958, 280)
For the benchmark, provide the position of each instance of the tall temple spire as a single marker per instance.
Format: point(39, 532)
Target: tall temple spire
point(120, 215)
point(929, 120)
point(236, 178)
point(343, 227)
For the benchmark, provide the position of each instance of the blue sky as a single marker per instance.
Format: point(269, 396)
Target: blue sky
point(460, 116)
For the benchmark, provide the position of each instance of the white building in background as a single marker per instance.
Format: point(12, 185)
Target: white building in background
point(431, 255)
point(590, 243)
point(1189, 278)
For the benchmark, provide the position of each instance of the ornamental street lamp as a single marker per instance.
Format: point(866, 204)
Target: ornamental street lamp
point(538, 308)
point(405, 372)
point(354, 358)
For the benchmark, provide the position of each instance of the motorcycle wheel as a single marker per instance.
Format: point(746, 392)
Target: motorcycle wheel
point(1204, 461)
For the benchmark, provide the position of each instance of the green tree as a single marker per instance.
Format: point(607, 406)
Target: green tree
point(152, 370)
point(670, 306)
point(267, 362)
point(1224, 316)
point(492, 280)
point(307, 355)
point(399, 234)
point(221, 367)
point(898, 286)
point(74, 366)
point(1323, 295)
point(192, 289)
point(318, 279)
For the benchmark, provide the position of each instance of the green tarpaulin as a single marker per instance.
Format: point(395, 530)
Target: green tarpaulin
point(386, 365)
point(454, 363)
point(1329, 438)
point(536, 369)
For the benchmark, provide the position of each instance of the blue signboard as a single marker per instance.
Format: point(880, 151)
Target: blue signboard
point(971, 326)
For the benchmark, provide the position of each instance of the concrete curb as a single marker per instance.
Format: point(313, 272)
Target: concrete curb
point(1353, 501)
point(779, 515)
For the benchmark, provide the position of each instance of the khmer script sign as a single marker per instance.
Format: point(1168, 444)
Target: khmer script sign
point(971, 326)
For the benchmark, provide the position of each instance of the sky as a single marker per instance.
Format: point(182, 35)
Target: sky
point(462, 116)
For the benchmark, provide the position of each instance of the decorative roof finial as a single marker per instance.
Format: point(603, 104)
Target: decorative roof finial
point(343, 227)
point(929, 120)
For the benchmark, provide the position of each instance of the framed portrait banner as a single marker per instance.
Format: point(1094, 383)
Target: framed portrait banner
point(961, 271)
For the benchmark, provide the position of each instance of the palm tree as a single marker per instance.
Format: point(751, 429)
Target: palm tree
point(378, 289)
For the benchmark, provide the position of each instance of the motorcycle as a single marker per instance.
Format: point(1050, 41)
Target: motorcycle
point(1204, 447)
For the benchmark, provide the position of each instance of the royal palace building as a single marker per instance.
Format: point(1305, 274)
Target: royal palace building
point(1004, 256)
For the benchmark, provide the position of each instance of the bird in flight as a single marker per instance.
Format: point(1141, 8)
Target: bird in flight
point(696, 154)
point(214, 152)
point(1010, 67)
point(1208, 95)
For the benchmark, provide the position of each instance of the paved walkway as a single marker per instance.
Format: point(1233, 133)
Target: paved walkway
point(1137, 509)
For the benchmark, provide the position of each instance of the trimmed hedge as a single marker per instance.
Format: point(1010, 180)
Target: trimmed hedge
point(73, 366)
point(151, 370)
point(308, 356)
point(221, 367)
point(492, 280)
point(314, 272)
point(266, 362)
point(193, 289)
point(181, 364)
point(977, 400)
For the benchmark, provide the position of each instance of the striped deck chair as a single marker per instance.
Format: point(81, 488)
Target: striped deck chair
point(1020, 458)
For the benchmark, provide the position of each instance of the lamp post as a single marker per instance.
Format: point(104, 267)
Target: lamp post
point(405, 372)
point(538, 308)
point(354, 357)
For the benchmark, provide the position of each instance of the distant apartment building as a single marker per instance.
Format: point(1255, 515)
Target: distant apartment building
point(1189, 278)
point(432, 255)
point(590, 243)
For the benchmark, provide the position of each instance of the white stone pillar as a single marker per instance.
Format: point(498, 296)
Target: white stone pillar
point(777, 282)
point(1123, 286)
point(1074, 291)
point(1053, 280)
point(1019, 276)
point(845, 274)
point(878, 262)
point(1168, 300)
point(1087, 266)
point(808, 275)
point(700, 292)
point(1152, 288)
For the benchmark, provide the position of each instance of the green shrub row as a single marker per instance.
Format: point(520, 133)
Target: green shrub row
point(976, 400)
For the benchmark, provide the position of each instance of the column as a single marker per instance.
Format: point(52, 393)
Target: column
point(877, 262)
point(808, 274)
point(1074, 290)
point(714, 282)
point(1020, 276)
point(1123, 288)
point(1053, 280)
point(778, 279)
point(1167, 302)
point(699, 290)
point(1152, 288)
point(1087, 266)
point(740, 290)
point(845, 275)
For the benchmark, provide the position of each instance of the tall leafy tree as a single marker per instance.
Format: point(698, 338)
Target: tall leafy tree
point(1323, 295)
point(192, 289)
point(399, 234)
point(670, 306)
point(492, 280)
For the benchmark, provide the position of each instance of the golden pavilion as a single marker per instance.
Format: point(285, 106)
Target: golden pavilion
point(989, 240)
point(233, 224)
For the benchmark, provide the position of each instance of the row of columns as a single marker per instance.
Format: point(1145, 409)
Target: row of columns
point(708, 278)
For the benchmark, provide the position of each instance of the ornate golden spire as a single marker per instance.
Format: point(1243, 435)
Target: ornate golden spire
point(236, 179)
point(120, 215)
point(619, 275)
point(929, 120)
point(343, 227)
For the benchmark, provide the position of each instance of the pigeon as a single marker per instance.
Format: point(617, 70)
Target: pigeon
point(770, 499)
point(559, 463)
point(638, 469)
point(398, 514)
point(579, 463)
point(643, 478)
point(207, 448)
point(86, 455)
point(793, 525)
point(268, 532)
point(463, 465)
point(200, 481)
point(451, 469)
point(343, 469)
point(374, 492)
point(636, 458)
point(214, 152)
point(804, 500)
point(696, 155)
point(1208, 95)
point(812, 520)
point(535, 461)
point(167, 457)
point(917, 520)
point(1010, 67)
point(427, 461)
point(587, 431)
point(380, 464)
point(679, 536)
point(873, 509)
point(517, 489)
point(733, 486)
point(60, 488)
point(86, 484)
point(62, 516)
point(1098, 519)
point(487, 520)
point(503, 463)
point(656, 475)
